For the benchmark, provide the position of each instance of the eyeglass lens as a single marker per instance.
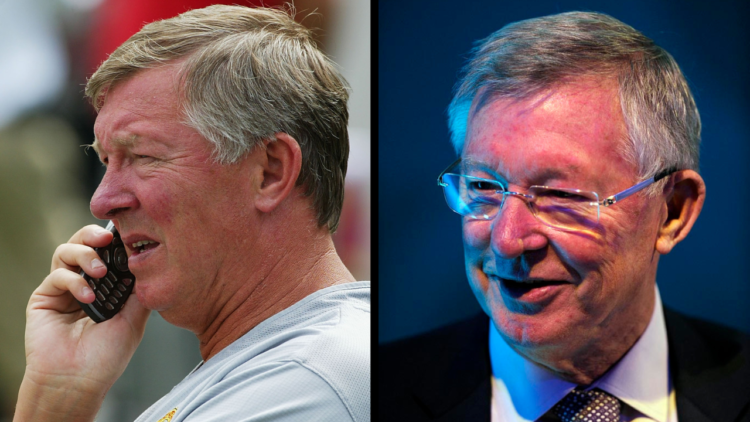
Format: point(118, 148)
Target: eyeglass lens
point(477, 198)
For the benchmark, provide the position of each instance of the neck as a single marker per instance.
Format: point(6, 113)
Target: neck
point(286, 275)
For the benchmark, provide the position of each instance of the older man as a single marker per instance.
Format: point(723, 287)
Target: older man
point(224, 134)
point(578, 143)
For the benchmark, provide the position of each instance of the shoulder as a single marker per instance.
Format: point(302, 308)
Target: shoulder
point(441, 343)
point(332, 344)
point(710, 367)
point(340, 356)
point(338, 348)
point(694, 340)
point(431, 371)
point(309, 362)
point(329, 329)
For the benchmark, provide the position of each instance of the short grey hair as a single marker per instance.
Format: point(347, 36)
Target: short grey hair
point(528, 57)
point(249, 73)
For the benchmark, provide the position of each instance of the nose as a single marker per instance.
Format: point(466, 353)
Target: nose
point(515, 230)
point(113, 196)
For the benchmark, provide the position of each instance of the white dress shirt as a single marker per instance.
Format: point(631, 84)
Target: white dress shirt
point(523, 391)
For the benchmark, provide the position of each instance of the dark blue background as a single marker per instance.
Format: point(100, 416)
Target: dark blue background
point(422, 46)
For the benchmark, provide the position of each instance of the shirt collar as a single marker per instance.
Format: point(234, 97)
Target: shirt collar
point(526, 391)
point(648, 394)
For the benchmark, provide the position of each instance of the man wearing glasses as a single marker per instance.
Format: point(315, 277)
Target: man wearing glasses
point(578, 154)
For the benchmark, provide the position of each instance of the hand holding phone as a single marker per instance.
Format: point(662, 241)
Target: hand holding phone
point(71, 361)
point(113, 289)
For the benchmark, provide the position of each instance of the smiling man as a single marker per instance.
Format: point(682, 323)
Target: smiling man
point(224, 136)
point(578, 155)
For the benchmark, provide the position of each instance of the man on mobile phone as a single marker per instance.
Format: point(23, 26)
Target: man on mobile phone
point(224, 134)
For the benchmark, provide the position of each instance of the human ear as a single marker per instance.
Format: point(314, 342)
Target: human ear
point(684, 196)
point(281, 164)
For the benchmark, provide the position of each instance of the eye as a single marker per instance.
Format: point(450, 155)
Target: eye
point(484, 186)
point(562, 195)
point(144, 158)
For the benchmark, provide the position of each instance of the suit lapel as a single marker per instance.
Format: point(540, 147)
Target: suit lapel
point(458, 388)
point(710, 369)
point(474, 407)
point(687, 411)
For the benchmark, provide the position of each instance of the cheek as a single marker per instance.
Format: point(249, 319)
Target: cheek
point(159, 202)
point(604, 263)
point(598, 251)
point(629, 236)
point(477, 248)
point(476, 235)
point(584, 255)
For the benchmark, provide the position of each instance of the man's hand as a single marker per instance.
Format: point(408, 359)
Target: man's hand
point(71, 362)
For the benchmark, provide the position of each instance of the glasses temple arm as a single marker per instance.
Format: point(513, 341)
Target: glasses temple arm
point(440, 177)
point(637, 188)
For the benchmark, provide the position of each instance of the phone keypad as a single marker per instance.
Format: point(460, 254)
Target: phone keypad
point(113, 289)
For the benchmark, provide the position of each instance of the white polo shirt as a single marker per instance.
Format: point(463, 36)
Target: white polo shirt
point(309, 362)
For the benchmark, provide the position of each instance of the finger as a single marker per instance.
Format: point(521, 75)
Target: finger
point(54, 292)
point(92, 235)
point(72, 257)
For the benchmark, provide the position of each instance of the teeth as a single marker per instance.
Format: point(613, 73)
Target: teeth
point(140, 243)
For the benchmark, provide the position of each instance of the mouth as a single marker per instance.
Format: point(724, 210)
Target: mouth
point(142, 246)
point(139, 248)
point(529, 290)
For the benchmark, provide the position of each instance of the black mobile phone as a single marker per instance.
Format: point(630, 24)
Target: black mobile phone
point(113, 289)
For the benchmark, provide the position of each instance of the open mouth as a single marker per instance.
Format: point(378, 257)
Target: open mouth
point(143, 246)
point(523, 288)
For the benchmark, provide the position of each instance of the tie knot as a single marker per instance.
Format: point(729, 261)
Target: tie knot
point(588, 406)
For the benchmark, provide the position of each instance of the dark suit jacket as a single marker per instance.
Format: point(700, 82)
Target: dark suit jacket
point(444, 375)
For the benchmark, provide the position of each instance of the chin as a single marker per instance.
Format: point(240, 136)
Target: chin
point(540, 330)
point(149, 298)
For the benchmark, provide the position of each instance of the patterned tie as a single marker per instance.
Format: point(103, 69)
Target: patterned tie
point(588, 406)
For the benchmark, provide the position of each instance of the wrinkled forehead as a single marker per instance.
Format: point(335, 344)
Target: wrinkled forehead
point(565, 128)
point(137, 106)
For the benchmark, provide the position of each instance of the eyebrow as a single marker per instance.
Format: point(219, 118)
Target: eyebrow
point(543, 174)
point(479, 165)
point(122, 142)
